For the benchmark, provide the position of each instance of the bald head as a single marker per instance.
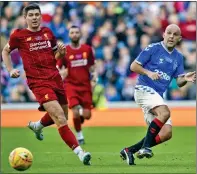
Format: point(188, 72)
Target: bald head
point(172, 36)
point(173, 27)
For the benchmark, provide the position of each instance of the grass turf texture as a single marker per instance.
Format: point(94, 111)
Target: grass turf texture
point(53, 156)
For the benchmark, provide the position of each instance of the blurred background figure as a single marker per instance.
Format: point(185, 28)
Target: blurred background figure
point(117, 31)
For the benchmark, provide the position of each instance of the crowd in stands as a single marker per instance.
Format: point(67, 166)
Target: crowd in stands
point(117, 31)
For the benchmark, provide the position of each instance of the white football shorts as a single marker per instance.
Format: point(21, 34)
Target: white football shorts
point(147, 98)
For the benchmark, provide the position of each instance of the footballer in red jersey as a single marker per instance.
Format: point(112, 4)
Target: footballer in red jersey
point(79, 63)
point(39, 50)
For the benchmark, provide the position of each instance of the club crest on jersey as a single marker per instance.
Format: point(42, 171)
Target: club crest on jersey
point(85, 55)
point(71, 57)
point(38, 37)
point(29, 39)
point(168, 60)
point(175, 65)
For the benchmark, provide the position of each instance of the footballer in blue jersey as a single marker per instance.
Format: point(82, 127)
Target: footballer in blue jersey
point(168, 65)
point(157, 65)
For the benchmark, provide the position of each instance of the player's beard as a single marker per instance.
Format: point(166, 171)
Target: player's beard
point(75, 42)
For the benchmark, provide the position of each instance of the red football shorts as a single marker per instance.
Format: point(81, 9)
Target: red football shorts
point(76, 97)
point(50, 91)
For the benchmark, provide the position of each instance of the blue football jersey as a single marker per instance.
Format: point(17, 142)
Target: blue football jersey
point(168, 65)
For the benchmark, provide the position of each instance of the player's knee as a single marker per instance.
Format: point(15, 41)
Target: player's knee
point(165, 113)
point(60, 115)
point(66, 112)
point(75, 113)
point(62, 120)
point(87, 114)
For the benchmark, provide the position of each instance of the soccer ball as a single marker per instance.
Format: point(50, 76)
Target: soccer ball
point(20, 159)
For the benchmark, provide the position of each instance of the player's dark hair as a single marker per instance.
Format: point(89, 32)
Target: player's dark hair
point(31, 7)
point(74, 26)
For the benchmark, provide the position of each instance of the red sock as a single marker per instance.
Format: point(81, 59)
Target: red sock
point(153, 129)
point(68, 137)
point(157, 140)
point(46, 120)
point(77, 123)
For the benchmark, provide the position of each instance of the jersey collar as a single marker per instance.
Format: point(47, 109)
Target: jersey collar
point(166, 48)
point(75, 48)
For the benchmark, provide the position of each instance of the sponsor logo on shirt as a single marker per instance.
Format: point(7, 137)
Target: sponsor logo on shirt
point(163, 75)
point(39, 45)
point(168, 60)
point(81, 62)
point(78, 56)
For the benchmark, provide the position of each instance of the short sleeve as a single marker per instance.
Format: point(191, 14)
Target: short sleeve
point(91, 59)
point(180, 68)
point(145, 55)
point(53, 41)
point(14, 41)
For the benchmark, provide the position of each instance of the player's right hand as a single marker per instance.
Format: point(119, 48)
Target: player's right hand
point(15, 73)
point(153, 75)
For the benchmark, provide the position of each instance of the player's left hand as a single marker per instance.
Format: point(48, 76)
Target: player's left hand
point(191, 77)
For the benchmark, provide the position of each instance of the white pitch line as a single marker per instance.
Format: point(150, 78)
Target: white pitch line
point(108, 153)
point(116, 153)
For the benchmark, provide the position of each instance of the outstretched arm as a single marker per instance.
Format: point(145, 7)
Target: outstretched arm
point(189, 77)
point(14, 73)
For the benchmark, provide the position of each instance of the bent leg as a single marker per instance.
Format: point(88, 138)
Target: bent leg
point(151, 103)
point(165, 134)
point(162, 115)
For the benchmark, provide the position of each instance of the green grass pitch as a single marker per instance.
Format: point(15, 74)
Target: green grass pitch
point(53, 156)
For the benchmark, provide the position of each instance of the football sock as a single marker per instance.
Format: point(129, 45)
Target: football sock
point(77, 123)
point(77, 150)
point(134, 148)
point(68, 137)
point(46, 120)
point(80, 135)
point(153, 129)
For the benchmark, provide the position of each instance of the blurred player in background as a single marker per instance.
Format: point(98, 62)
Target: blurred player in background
point(79, 77)
point(157, 65)
point(39, 50)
